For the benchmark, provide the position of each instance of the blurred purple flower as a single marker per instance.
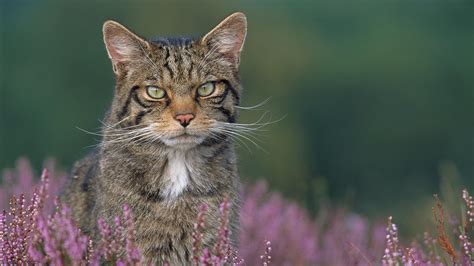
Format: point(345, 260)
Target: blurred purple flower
point(21, 180)
point(338, 238)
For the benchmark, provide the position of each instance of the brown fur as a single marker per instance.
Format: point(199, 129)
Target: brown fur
point(136, 168)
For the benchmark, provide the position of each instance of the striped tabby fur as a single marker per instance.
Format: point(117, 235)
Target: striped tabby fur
point(147, 158)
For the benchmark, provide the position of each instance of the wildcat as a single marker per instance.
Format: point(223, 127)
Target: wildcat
point(166, 146)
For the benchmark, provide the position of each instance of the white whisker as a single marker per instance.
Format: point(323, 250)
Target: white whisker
point(217, 135)
point(255, 106)
point(114, 125)
point(243, 132)
point(237, 136)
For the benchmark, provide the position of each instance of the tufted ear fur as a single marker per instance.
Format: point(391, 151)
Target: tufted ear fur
point(123, 46)
point(228, 37)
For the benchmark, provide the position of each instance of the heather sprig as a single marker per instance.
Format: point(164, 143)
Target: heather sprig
point(117, 244)
point(222, 252)
point(133, 254)
point(57, 240)
point(466, 227)
point(21, 180)
point(393, 253)
point(443, 240)
point(17, 225)
point(197, 236)
point(28, 235)
point(266, 257)
point(469, 202)
point(430, 244)
point(432, 253)
point(222, 247)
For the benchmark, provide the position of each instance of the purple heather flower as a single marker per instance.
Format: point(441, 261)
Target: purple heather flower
point(73, 241)
point(132, 252)
point(266, 257)
point(198, 235)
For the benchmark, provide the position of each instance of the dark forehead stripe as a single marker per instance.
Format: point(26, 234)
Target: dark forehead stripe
point(166, 64)
point(177, 51)
point(187, 63)
point(174, 41)
point(190, 70)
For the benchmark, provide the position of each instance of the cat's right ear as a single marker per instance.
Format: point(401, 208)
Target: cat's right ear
point(123, 46)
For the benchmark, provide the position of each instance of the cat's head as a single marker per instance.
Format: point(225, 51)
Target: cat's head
point(179, 92)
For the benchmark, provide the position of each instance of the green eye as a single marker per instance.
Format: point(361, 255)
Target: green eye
point(155, 92)
point(206, 89)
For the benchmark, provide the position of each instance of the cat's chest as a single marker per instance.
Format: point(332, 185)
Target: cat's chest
point(176, 174)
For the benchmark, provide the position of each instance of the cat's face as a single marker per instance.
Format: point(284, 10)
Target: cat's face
point(177, 92)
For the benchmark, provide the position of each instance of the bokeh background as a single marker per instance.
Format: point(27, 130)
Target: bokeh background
point(378, 96)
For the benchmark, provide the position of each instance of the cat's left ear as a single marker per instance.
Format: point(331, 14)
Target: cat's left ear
point(123, 46)
point(228, 37)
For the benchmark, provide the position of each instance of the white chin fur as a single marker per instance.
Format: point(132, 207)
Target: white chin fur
point(183, 141)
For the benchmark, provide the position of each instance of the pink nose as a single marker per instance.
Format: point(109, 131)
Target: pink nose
point(184, 119)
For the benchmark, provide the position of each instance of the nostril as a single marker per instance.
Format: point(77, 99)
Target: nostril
point(184, 119)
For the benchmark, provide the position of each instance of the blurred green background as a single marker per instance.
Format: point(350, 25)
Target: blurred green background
point(378, 95)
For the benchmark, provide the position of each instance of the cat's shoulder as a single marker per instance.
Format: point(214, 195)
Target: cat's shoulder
point(85, 169)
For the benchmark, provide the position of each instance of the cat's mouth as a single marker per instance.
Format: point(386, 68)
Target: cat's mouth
point(184, 140)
